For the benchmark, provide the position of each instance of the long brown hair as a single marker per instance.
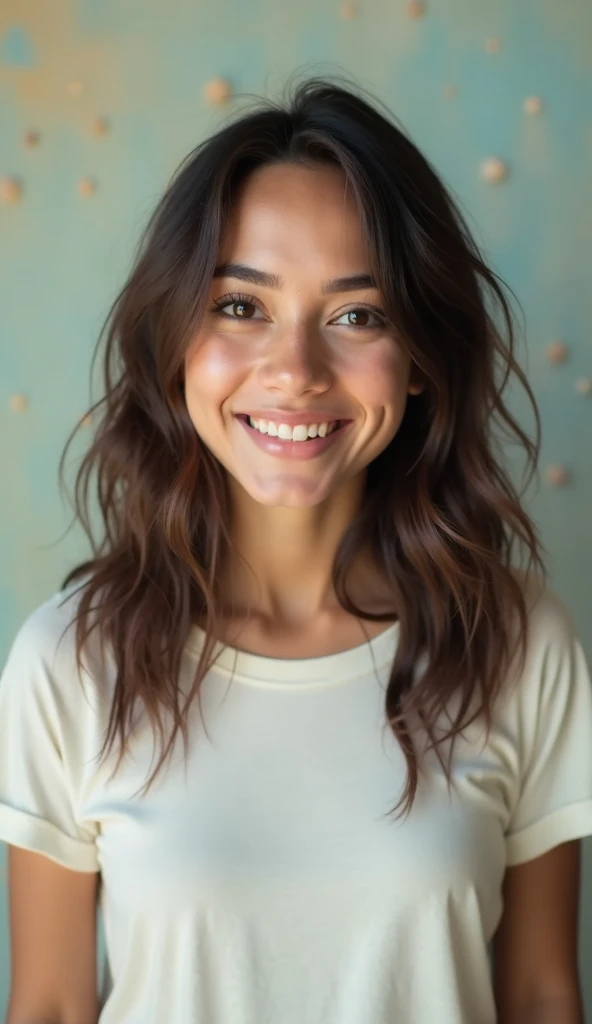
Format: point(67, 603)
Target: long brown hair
point(440, 513)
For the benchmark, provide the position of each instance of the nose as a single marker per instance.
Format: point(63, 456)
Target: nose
point(296, 361)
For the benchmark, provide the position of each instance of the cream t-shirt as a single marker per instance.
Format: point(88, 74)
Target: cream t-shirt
point(264, 884)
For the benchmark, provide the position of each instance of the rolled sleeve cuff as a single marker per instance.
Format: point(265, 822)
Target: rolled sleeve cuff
point(573, 822)
point(25, 830)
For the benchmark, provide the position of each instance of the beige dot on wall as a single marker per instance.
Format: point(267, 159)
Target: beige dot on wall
point(10, 190)
point(493, 170)
point(415, 9)
point(348, 11)
point(493, 45)
point(583, 386)
point(99, 126)
point(557, 352)
point(18, 403)
point(31, 139)
point(532, 105)
point(450, 92)
point(86, 187)
point(86, 421)
point(557, 475)
point(75, 88)
point(218, 90)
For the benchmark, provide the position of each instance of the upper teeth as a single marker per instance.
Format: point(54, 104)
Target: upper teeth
point(287, 433)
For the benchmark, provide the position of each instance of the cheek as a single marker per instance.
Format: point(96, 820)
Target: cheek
point(380, 379)
point(212, 372)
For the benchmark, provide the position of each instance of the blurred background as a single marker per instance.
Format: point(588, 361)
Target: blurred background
point(101, 99)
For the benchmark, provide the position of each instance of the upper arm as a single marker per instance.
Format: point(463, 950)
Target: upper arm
point(535, 949)
point(52, 917)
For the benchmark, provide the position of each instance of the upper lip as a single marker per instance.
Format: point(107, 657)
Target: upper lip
point(292, 419)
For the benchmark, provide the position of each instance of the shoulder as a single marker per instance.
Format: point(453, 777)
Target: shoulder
point(42, 662)
point(554, 664)
point(550, 623)
point(50, 624)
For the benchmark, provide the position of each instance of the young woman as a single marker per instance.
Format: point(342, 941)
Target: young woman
point(315, 741)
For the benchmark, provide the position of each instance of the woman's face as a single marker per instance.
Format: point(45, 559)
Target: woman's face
point(294, 343)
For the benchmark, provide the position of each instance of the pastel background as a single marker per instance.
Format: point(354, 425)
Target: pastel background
point(101, 99)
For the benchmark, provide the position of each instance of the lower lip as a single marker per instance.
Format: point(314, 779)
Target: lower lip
point(298, 450)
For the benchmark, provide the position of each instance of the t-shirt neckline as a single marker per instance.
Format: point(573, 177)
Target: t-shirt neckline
point(328, 668)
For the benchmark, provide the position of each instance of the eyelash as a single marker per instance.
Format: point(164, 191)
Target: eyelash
point(249, 300)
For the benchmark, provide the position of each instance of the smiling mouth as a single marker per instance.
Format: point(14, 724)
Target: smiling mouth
point(335, 426)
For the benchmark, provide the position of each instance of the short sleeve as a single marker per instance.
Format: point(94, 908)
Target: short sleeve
point(37, 759)
point(554, 800)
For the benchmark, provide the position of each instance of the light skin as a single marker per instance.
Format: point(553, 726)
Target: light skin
point(288, 517)
point(295, 348)
point(287, 520)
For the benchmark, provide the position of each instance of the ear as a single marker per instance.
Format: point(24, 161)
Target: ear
point(416, 381)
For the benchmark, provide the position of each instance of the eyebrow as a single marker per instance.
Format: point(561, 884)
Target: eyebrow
point(260, 277)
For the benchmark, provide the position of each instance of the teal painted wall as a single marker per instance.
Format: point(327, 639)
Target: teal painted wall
point(144, 67)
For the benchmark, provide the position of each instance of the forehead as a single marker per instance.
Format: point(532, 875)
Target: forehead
point(285, 211)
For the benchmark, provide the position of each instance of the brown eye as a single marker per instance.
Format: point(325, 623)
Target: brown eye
point(357, 317)
point(361, 318)
point(241, 309)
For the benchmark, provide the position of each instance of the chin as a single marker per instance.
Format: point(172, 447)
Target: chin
point(287, 497)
